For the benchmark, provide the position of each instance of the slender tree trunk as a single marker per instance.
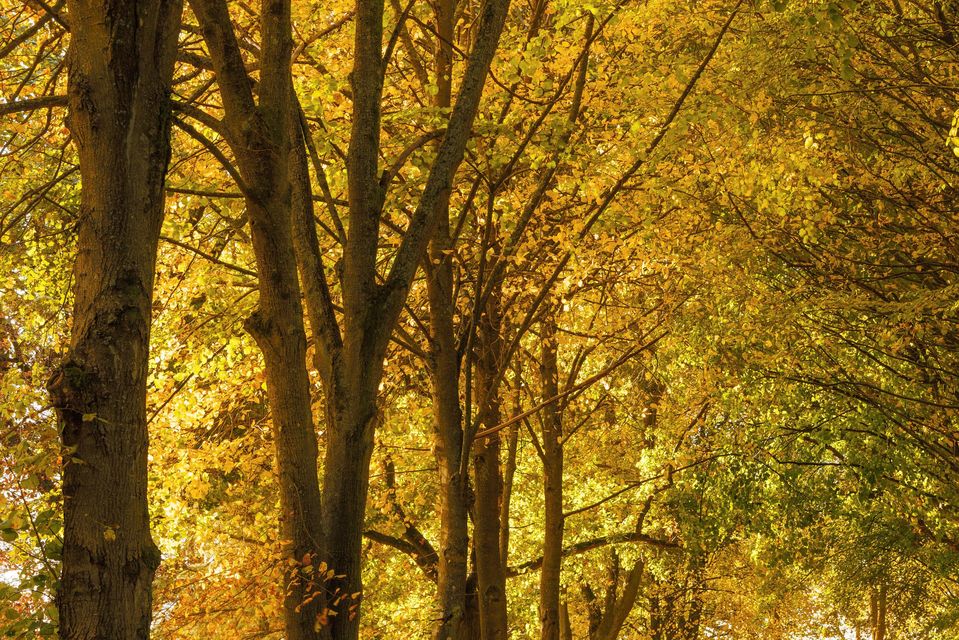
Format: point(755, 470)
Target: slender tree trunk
point(260, 136)
point(656, 619)
point(120, 71)
point(509, 472)
point(488, 479)
point(878, 611)
point(445, 378)
point(549, 583)
point(615, 619)
point(566, 627)
point(490, 574)
point(448, 444)
point(472, 629)
point(278, 330)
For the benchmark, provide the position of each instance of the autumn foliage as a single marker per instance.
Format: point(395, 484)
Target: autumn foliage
point(479, 319)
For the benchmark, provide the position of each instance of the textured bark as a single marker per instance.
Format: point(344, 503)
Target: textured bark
point(490, 572)
point(352, 420)
point(445, 378)
point(260, 137)
point(552, 454)
point(120, 71)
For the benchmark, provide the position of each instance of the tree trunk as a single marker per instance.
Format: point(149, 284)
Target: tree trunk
point(566, 628)
point(120, 71)
point(345, 489)
point(260, 136)
point(489, 568)
point(488, 479)
point(509, 473)
point(549, 583)
point(278, 329)
point(353, 349)
point(472, 629)
point(444, 370)
point(371, 310)
point(878, 611)
point(448, 442)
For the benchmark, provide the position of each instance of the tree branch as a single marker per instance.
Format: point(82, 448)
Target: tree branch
point(32, 104)
point(596, 543)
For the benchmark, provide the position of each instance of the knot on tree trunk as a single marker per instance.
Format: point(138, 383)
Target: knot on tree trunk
point(258, 326)
point(72, 390)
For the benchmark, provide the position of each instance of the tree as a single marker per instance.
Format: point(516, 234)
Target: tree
point(352, 349)
point(121, 67)
point(651, 336)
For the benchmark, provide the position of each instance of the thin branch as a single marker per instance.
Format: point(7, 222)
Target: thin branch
point(32, 104)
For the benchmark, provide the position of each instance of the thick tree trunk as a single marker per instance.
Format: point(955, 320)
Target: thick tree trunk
point(120, 70)
point(352, 394)
point(549, 583)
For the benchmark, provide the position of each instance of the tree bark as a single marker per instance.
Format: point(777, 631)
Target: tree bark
point(488, 478)
point(260, 136)
point(878, 612)
point(120, 72)
point(353, 348)
point(445, 378)
point(552, 454)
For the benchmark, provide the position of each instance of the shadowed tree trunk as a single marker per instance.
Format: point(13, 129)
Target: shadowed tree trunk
point(877, 607)
point(552, 457)
point(607, 617)
point(566, 627)
point(260, 136)
point(371, 310)
point(490, 572)
point(445, 378)
point(120, 71)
